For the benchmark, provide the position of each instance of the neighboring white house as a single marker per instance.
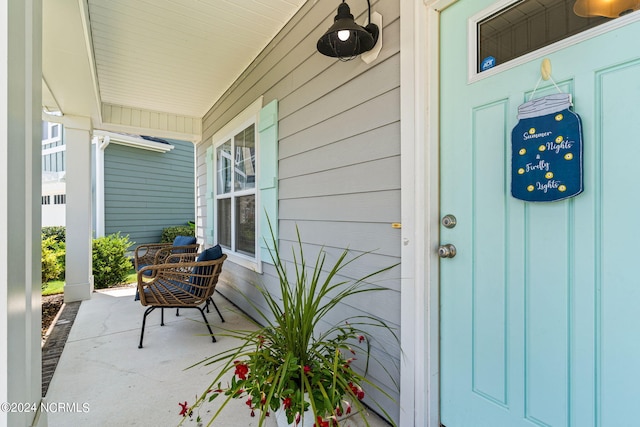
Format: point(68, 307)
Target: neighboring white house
point(54, 191)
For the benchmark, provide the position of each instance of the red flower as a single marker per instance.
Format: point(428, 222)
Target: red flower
point(286, 403)
point(248, 402)
point(306, 369)
point(347, 362)
point(357, 391)
point(297, 418)
point(348, 411)
point(338, 411)
point(185, 409)
point(241, 370)
point(361, 338)
point(320, 423)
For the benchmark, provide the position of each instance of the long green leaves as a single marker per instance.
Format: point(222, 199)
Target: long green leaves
point(295, 353)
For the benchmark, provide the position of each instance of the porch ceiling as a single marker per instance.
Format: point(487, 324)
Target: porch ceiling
point(169, 56)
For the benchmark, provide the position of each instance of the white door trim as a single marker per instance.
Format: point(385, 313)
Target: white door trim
point(420, 334)
point(412, 331)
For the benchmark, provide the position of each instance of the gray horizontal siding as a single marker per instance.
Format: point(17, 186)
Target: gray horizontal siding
point(297, 159)
point(373, 207)
point(339, 165)
point(147, 191)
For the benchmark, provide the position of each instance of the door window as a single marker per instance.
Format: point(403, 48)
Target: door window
point(528, 25)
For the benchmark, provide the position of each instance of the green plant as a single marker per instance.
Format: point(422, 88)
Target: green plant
point(110, 265)
point(170, 233)
point(53, 287)
point(57, 231)
point(52, 269)
point(276, 365)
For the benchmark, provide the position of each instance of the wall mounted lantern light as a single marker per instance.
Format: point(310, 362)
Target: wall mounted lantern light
point(607, 8)
point(345, 39)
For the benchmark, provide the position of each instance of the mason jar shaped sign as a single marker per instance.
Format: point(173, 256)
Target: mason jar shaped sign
point(546, 150)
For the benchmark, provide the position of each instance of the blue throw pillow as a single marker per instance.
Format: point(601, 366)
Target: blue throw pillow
point(210, 254)
point(184, 241)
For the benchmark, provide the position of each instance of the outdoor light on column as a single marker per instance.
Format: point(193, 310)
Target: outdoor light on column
point(345, 39)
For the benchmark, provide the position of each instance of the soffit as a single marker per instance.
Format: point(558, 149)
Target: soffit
point(169, 56)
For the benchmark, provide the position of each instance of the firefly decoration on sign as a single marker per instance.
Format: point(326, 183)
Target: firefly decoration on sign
point(547, 150)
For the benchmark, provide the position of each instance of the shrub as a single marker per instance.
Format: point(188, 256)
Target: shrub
point(170, 233)
point(58, 232)
point(54, 241)
point(52, 269)
point(110, 265)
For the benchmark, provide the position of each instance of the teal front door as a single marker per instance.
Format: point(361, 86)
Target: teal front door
point(540, 306)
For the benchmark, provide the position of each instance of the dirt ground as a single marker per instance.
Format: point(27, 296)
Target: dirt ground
point(50, 306)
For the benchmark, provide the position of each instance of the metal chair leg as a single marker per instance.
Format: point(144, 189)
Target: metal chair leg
point(206, 322)
point(216, 307)
point(144, 321)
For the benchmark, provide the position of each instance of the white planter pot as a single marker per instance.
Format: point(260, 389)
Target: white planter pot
point(306, 421)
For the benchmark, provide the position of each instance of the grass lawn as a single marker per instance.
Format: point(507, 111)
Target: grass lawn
point(57, 286)
point(53, 287)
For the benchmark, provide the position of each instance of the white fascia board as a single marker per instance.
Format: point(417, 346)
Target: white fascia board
point(134, 141)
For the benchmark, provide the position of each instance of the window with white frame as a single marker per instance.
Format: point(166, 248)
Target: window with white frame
point(235, 191)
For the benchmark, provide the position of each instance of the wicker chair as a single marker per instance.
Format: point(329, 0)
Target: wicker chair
point(157, 253)
point(181, 282)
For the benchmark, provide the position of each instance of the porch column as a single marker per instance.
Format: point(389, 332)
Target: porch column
point(78, 276)
point(20, 159)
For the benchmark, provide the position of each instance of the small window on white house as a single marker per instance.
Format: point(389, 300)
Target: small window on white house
point(54, 130)
point(235, 164)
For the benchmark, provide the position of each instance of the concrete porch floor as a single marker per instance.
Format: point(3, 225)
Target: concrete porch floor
point(106, 380)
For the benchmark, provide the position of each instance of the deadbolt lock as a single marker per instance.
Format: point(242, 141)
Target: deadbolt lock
point(449, 221)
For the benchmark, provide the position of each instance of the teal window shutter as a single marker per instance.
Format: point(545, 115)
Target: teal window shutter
point(268, 179)
point(208, 229)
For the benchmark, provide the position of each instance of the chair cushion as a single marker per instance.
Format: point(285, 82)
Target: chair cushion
point(184, 240)
point(168, 287)
point(210, 254)
point(146, 273)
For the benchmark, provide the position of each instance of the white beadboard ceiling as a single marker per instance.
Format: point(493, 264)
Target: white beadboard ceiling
point(169, 56)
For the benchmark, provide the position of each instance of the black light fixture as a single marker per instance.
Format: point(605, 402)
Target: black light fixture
point(345, 39)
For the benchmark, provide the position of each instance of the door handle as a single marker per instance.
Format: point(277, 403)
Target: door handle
point(447, 251)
